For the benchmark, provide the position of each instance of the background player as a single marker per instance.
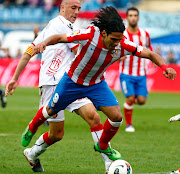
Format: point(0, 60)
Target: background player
point(100, 46)
point(175, 118)
point(172, 119)
point(3, 98)
point(133, 69)
point(55, 60)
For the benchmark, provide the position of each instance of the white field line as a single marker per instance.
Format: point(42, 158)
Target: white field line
point(5, 135)
point(135, 107)
point(155, 173)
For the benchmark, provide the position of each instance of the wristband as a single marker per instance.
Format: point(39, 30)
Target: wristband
point(164, 67)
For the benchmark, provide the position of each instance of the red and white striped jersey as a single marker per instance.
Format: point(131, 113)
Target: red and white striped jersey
point(93, 58)
point(134, 65)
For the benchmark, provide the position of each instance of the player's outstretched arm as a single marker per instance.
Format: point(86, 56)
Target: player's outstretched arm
point(57, 38)
point(175, 118)
point(168, 72)
point(11, 86)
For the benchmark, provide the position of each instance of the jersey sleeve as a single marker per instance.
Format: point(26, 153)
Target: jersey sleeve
point(77, 36)
point(130, 48)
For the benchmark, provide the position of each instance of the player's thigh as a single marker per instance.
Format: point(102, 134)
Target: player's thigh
point(141, 87)
point(85, 108)
point(127, 85)
point(112, 112)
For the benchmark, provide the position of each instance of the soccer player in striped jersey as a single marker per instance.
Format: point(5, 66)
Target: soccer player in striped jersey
point(133, 69)
point(55, 60)
point(100, 46)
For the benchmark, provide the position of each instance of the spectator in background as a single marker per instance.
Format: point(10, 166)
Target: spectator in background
point(170, 58)
point(158, 51)
point(3, 98)
point(48, 5)
point(19, 54)
point(4, 52)
point(34, 3)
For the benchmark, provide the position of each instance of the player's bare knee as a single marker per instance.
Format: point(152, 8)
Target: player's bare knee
point(141, 101)
point(50, 111)
point(116, 117)
point(93, 119)
point(97, 120)
point(130, 99)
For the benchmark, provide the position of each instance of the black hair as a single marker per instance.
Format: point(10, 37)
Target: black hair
point(109, 20)
point(133, 9)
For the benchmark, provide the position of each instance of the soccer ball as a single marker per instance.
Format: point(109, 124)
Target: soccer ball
point(120, 167)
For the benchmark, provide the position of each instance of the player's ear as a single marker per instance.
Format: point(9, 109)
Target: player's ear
point(62, 7)
point(104, 33)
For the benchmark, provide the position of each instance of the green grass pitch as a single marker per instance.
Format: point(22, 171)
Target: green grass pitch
point(154, 147)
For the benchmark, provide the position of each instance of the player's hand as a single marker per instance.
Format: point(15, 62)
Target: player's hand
point(175, 118)
point(170, 73)
point(39, 48)
point(10, 87)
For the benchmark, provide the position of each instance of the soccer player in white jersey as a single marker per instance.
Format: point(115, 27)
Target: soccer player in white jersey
point(175, 118)
point(133, 69)
point(172, 119)
point(100, 46)
point(55, 60)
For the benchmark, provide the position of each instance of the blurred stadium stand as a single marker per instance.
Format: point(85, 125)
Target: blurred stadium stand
point(18, 18)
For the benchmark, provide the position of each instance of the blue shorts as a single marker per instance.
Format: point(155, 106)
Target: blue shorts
point(133, 85)
point(67, 92)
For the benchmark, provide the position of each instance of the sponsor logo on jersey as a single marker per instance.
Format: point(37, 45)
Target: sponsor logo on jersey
point(70, 26)
point(116, 171)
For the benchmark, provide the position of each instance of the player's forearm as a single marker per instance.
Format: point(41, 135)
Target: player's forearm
point(57, 38)
point(21, 65)
point(158, 60)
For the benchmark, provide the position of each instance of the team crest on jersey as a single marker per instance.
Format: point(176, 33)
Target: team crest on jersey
point(114, 53)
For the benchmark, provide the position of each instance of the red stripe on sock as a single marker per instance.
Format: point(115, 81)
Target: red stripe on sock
point(46, 139)
point(97, 128)
point(37, 121)
point(107, 134)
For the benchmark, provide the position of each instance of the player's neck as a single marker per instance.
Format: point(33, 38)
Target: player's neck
point(133, 30)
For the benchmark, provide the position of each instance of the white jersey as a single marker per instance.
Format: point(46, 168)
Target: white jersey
point(55, 58)
point(134, 65)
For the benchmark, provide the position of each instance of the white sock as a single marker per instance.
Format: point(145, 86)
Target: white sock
point(96, 136)
point(39, 147)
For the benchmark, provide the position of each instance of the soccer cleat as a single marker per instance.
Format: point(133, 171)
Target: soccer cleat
point(3, 99)
point(26, 137)
point(175, 118)
point(35, 163)
point(110, 152)
point(176, 172)
point(129, 128)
